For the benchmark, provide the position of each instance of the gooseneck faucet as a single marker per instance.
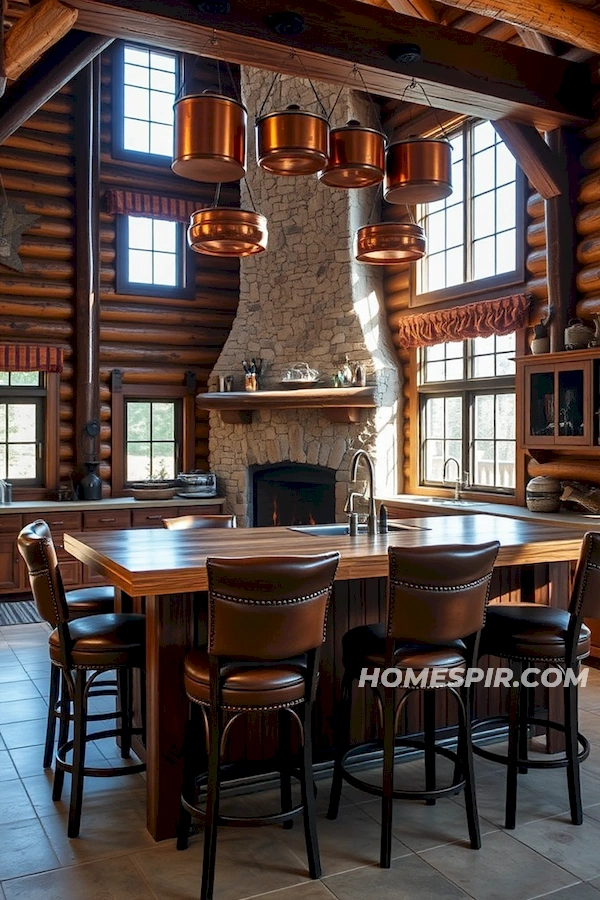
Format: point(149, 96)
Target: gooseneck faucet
point(457, 483)
point(362, 454)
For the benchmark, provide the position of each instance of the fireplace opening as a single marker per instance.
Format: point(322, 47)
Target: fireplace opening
point(292, 494)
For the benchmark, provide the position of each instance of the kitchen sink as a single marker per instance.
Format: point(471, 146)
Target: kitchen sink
point(441, 501)
point(341, 528)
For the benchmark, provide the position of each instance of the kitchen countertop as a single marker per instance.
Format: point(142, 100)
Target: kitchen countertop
point(563, 519)
point(25, 506)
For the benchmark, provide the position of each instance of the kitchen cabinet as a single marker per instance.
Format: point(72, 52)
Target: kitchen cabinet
point(12, 573)
point(560, 399)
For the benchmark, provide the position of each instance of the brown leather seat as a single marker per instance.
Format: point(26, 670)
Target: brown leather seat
point(365, 646)
point(252, 685)
point(104, 641)
point(92, 601)
point(530, 631)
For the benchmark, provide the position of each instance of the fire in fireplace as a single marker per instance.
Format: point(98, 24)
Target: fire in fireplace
point(292, 494)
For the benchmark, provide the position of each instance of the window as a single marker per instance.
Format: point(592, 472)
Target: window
point(145, 84)
point(475, 237)
point(153, 258)
point(467, 413)
point(22, 402)
point(152, 439)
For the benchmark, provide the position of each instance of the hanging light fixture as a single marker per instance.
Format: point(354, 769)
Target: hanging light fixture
point(418, 169)
point(356, 157)
point(221, 231)
point(389, 243)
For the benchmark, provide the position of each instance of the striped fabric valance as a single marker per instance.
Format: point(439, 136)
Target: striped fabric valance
point(133, 203)
point(30, 358)
point(460, 322)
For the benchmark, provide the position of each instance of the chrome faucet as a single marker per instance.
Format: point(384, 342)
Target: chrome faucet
point(372, 517)
point(458, 482)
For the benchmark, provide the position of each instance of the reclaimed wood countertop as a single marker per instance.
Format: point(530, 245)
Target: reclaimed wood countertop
point(156, 561)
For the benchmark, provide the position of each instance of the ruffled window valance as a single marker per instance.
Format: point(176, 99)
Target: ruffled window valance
point(460, 322)
point(30, 358)
point(133, 203)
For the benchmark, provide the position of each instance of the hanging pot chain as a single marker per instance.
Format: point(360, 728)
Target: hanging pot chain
point(212, 41)
point(356, 71)
point(415, 84)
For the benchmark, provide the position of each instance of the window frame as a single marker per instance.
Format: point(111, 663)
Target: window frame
point(186, 270)
point(156, 393)
point(467, 388)
point(494, 286)
point(47, 395)
point(177, 431)
point(118, 150)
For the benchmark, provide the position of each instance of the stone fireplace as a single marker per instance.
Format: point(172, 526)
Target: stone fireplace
point(289, 493)
point(306, 300)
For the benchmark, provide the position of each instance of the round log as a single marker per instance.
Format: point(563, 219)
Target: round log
point(224, 301)
point(119, 354)
point(589, 189)
point(393, 319)
point(201, 430)
point(588, 250)
point(37, 269)
point(579, 470)
point(47, 164)
point(41, 144)
point(38, 328)
point(590, 158)
point(45, 206)
point(158, 375)
point(537, 311)
point(592, 132)
point(24, 288)
point(166, 336)
point(397, 283)
point(192, 318)
point(588, 220)
point(37, 248)
point(536, 261)
point(52, 228)
point(395, 302)
point(39, 309)
point(65, 432)
point(535, 206)
point(536, 233)
point(588, 306)
point(588, 279)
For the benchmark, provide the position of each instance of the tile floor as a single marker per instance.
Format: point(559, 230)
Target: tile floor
point(115, 858)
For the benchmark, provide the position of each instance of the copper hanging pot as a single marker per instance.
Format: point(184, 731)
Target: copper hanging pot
point(356, 157)
point(292, 142)
point(218, 231)
point(387, 243)
point(418, 170)
point(210, 138)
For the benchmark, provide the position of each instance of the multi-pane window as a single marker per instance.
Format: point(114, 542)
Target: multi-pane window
point(152, 439)
point(152, 258)
point(467, 413)
point(21, 427)
point(475, 234)
point(149, 88)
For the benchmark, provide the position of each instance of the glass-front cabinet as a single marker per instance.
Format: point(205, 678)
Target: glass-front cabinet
point(560, 398)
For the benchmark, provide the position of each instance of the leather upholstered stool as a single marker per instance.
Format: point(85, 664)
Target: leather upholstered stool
point(92, 644)
point(437, 599)
point(531, 635)
point(267, 620)
point(183, 523)
point(92, 601)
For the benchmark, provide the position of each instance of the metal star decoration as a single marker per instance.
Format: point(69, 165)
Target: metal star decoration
point(14, 220)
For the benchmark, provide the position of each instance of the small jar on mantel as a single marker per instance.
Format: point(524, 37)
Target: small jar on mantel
point(543, 494)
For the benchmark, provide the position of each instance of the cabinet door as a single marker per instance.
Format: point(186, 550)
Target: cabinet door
point(103, 520)
point(540, 405)
point(573, 420)
point(13, 575)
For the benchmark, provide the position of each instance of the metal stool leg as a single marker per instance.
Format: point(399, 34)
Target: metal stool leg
point(63, 733)
point(513, 755)
point(387, 799)
point(285, 763)
point(524, 703)
point(212, 806)
point(342, 741)
point(124, 682)
point(429, 738)
point(572, 752)
point(79, 734)
point(308, 795)
point(465, 751)
point(51, 726)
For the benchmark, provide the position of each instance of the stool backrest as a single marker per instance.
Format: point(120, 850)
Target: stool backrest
point(268, 608)
point(37, 549)
point(439, 594)
point(183, 523)
point(585, 596)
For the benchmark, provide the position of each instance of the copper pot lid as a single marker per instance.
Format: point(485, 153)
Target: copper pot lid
point(356, 157)
point(418, 170)
point(387, 243)
point(209, 138)
point(292, 142)
point(218, 231)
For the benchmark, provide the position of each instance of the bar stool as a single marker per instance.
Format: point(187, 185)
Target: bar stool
point(267, 621)
point(92, 644)
point(437, 598)
point(529, 634)
point(92, 601)
point(183, 523)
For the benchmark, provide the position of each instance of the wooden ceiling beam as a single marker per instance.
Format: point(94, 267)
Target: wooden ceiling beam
point(34, 33)
point(541, 166)
point(421, 9)
point(555, 18)
point(533, 40)
point(459, 71)
point(45, 78)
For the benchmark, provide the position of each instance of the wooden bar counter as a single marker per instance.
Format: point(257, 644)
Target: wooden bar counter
point(158, 571)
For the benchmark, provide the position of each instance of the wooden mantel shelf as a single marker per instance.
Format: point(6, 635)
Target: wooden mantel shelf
point(339, 404)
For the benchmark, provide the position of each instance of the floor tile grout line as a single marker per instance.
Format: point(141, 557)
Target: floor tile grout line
point(566, 887)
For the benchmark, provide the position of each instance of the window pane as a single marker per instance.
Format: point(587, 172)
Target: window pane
point(434, 417)
point(26, 379)
point(136, 76)
point(162, 61)
point(453, 417)
point(3, 414)
point(140, 232)
point(505, 343)
point(506, 251)
point(505, 465)
point(22, 461)
point(454, 225)
point(140, 266)
point(136, 135)
point(484, 416)
point(137, 56)
point(484, 136)
point(434, 352)
point(436, 232)
point(137, 102)
point(484, 474)
point(138, 421)
point(506, 206)
point(435, 371)
point(436, 272)
point(483, 367)
point(163, 81)
point(505, 416)
point(481, 346)
point(3, 461)
point(161, 139)
point(484, 218)
point(484, 262)
point(455, 273)
point(455, 350)
point(163, 422)
point(161, 107)
point(165, 236)
point(505, 163)
point(165, 270)
point(138, 462)
point(163, 460)
point(458, 174)
point(505, 364)
point(454, 370)
point(483, 171)
point(22, 422)
point(4, 377)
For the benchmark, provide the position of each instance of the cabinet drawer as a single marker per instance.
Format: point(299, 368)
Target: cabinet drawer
point(213, 510)
point(12, 523)
point(60, 522)
point(106, 519)
point(70, 571)
point(150, 517)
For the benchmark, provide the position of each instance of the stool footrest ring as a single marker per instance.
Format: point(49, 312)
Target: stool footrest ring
point(559, 763)
point(99, 771)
